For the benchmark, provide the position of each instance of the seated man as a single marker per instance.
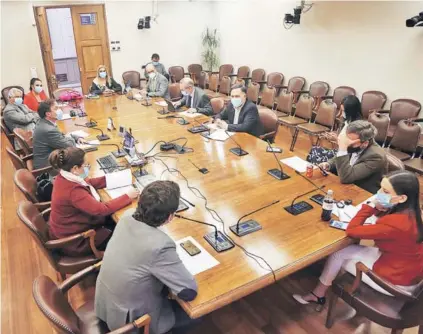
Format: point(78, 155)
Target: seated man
point(157, 84)
point(160, 68)
point(194, 98)
point(47, 137)
point(140, 266)
point(18, 115)
point(360, 160)
point(240, 114)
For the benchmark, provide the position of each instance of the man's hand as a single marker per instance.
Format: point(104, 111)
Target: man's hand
point(81, 141)
point(344, 142)
point(221, 124)
point(191, 110)
point(324, 166)
point(176, 104)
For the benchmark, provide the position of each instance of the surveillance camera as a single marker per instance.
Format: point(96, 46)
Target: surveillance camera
point(415, 21)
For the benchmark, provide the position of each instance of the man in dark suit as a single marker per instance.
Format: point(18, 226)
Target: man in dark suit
point(194, 98)
point(360, 160)
point(240, 115)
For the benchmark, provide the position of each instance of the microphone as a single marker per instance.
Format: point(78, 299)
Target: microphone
point(169, 116)
point(117, 154)
point(236, 150)
point(99, 137)
point(250, 225)
point(91, 124)
point(277, 173)
point(193, 205)
point(216, 239)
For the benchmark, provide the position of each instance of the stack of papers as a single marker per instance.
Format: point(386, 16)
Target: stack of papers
point(79, 133)
point(161, 103)
point(296, 163)
point(220, 135)
point(65, 117)
point(198, 263)
point(118, 183)
point(189, 114)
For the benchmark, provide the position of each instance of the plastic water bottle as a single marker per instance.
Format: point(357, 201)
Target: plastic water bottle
point(128, 87)
point(327, 206)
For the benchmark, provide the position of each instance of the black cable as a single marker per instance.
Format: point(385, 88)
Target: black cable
point(219, 219)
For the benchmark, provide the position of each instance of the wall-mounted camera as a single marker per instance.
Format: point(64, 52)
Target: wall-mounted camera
point(415, 21)
point(144, 22)
point(290, 19)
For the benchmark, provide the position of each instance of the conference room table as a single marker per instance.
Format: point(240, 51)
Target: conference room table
point(234, 186)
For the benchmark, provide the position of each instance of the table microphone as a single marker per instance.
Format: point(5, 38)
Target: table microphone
point(235, 228)
point(99, 137)
point(199, 222)
point(277, 173)
point(314, 184)
point(117, 154)
point(236, 150)
point(91, 124)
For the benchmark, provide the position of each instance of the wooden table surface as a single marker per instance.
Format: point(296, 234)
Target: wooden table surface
point(233, 187)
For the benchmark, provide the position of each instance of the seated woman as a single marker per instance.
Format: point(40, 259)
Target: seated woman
point(36, 94)
point(397, 255)
point(76, 205)
point(103, 83)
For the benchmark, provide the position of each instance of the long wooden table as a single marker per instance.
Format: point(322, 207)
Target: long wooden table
point(233, 187)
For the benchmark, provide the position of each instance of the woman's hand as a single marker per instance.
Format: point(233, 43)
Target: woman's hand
point(133, 193)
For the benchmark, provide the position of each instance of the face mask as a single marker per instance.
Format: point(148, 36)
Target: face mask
point(236, 102)
point(18, 100)
point(103, 74)
point(38, 89)
point(184, 93)
point(59, 114)
point(384, 200)
point(344, 115)
point(152, 75)
point(351, 149)
point(155, 63)
point(84, 175)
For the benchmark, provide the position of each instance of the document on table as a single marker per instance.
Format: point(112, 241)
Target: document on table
point(349, 211)
point(118, 179)
point(79, 133)
point(198, 263)
point(189, 114)
point(296, 163)
point(65, 117)
point(161, 103)
point(89, 145)
point(117, 192)
point(219, 135)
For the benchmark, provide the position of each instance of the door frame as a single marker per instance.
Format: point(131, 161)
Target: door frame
point(48, 58)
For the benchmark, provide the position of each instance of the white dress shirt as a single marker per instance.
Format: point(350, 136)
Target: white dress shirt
point(354, 156)
point(237, 112)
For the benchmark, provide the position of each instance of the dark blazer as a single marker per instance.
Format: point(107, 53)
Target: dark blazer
point(248, 121)
point(113, 85)
point(201, 102)
point(366, 173)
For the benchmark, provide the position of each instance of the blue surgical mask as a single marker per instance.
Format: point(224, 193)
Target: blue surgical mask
point(38, 89)
point(103, 74)
point(155, 63)
point(59, 114)
point(84, 175)
point(18, 100)
point(384, 200)
point(236, 102)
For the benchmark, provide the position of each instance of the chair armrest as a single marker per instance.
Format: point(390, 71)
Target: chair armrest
point(189, 74)
point(383, 111)
point(302, 92)
point(43, 206)
point(326, 97)
point(261, 81)
point(232, 75)
point(416, 120)
point(78, 277)
point(143, 321)
point(279, 86)
point(213, 72)
point(37, 172)
point(392, 289)
point(143, 79)
point(28, 157)
point(246, 78)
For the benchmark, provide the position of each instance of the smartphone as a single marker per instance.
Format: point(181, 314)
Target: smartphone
point(318, 198)
point(190, 248)
point(339, 225)
point(273, 149)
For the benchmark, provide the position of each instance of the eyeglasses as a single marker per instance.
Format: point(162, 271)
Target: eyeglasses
point(40, 85)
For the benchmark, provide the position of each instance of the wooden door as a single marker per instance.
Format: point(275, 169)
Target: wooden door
point(91, 41)
point(46, 48)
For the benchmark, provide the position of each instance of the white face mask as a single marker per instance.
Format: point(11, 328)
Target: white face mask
point(152, 75)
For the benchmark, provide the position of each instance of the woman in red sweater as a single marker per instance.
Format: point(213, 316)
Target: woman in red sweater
point(75, 203)
point(398, 234)
point(36, 94)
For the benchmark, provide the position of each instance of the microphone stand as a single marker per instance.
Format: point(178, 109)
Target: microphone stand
point(117, 154)
point(277, 173)
point(91, 124)
point(236, 150)
point(101, 137)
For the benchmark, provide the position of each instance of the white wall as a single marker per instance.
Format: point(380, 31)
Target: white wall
point(61, 33)
point(360, 44)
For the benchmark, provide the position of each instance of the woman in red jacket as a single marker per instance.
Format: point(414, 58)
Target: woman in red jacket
point(36, 94)
point(75, 203)
point(398, 234)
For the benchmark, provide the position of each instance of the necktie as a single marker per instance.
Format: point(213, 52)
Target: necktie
point(189, 98)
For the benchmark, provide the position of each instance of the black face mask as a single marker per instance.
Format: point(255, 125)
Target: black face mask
point(351, 149)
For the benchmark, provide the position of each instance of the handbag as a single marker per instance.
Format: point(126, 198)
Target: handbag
point(70, 95)
point(44, 187)
point(319, 154)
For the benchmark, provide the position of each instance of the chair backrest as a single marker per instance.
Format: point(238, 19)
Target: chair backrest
point(55, 306)
point(253, 92)
point(217, 104)
point(17, 162)
point(5, 92)
point(194, 71)
point(284, 101)
point(372, 100)
point(340, 93)
point(176, 73)
point(404, 109)
point(27, 183)
point(225, 85)
point(318, 89)
point(268, 97)
point(296, 84)
point(406, 136)
point(175, 91)
point(304, 107)
point(225, 70)
point(34, 221)
point(243, 72)
point(393, 163)
point(274, 79)
point(10, 136)
point(326, 114)
point(269, 120)
point(133, 77)
point(201, 79)
point(25, 140)
point(381, 123)
point(213, 82)
point(258, 75)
